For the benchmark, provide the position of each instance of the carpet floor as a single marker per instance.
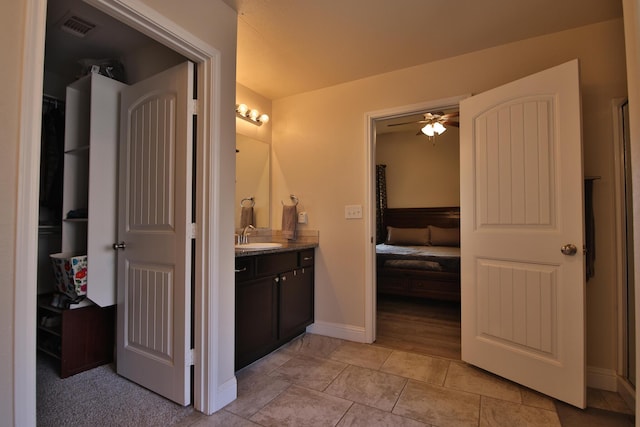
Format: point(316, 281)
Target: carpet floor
point(99, 397)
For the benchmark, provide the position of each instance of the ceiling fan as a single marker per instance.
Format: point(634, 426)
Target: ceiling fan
point(434, 122)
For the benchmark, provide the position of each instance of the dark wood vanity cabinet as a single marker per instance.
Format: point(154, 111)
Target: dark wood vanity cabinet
point(274, 301)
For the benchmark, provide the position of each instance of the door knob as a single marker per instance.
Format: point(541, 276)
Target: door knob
point(121, 245)
point(569, 249)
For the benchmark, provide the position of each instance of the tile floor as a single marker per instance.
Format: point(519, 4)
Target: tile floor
point(322, 381)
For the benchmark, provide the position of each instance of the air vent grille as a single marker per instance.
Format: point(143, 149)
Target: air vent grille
point(77, 26)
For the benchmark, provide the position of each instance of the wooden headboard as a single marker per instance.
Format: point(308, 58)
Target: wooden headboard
point(421, 217)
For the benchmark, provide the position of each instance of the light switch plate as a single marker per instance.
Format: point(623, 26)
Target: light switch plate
point(353, 211)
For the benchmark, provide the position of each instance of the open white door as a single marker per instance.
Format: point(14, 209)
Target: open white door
point(154, 260)
point(523, 299)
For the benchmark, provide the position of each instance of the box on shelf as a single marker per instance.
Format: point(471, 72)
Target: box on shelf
point(70, 271)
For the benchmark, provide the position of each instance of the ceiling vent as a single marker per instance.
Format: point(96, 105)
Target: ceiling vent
point(77, 26)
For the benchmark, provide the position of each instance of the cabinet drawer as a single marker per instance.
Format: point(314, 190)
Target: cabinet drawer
point(306, 258)
point(245, 268)
point(276, 263)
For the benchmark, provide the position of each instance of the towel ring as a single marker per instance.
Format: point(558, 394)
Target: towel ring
point(249, 199)
point(293, 198)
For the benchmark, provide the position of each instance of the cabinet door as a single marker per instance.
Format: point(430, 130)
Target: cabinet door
point(296, 302)
point(256, 319)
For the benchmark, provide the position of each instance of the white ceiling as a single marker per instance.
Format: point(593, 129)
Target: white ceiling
point(293, 46)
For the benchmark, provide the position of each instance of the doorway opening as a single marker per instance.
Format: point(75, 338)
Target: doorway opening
point(206, 398)
point(396, 152)
point(418, 274)
point(76, 34)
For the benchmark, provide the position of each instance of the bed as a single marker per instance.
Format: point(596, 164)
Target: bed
point(420, 255)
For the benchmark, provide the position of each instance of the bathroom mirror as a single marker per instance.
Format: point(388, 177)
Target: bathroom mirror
point(253, 180)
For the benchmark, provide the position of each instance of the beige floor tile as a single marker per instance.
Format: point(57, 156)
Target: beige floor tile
point(416, 366)
point(537, 400)
point(309, 372)
point(363, 355)
point(364, 416)
point(223, 419)
point(497, 413)
point(313, 345)
point(369, 387)
point(300, 407)
point(267, 364)
point(437, 405)
point(467, 378)
point(254, 392)
point(607, 400)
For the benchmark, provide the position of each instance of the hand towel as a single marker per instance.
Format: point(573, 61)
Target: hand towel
point(246, 216)
point(289, 221)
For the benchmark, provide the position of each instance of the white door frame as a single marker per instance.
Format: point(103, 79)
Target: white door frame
point(208, 396)
point(624, 388)
point(370, 198)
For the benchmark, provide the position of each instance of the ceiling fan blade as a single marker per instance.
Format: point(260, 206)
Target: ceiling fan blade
point(407, 123)
point(451, 123)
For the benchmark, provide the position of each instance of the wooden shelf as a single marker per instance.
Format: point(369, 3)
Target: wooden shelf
point(83, 340)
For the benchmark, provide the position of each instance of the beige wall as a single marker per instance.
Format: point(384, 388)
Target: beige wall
point(420, 173)
point(319, 154)
point(211, 21)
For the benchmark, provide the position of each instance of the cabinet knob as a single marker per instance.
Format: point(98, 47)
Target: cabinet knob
point(121, 245)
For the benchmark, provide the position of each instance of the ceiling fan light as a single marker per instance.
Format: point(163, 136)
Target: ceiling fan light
point(439, 128)
point(428, 129)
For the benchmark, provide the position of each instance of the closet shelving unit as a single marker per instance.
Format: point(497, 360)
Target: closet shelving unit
point(83, 338)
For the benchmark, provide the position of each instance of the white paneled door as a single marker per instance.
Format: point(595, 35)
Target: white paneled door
point(523, 268)
point(154, 255)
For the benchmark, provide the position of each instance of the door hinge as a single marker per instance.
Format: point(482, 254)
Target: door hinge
point(193, 103)
point(191, 357)
point(193, 230)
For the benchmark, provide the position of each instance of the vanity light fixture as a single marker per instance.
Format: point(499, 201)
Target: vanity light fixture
point(252, 116)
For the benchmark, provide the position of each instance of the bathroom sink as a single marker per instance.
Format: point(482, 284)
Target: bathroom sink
point(259, 245)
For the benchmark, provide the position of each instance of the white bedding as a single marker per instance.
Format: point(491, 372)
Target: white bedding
point(429, 251)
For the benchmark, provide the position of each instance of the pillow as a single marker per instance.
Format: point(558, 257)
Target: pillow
point(407, 236)
point(444, 236)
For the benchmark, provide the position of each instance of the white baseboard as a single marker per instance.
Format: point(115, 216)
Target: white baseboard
point(338, 330)
point(225, 394)
point(602, 379)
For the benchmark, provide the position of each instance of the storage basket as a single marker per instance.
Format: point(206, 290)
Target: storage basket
point(70, 271)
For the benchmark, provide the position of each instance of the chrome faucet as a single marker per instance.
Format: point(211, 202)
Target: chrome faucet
point(244, 237)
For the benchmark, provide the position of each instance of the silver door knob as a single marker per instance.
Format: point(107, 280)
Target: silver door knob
point(569, 249)
point(121, 245)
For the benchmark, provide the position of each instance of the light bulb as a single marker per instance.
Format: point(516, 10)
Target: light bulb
point(439, 128)
point(254, 114)
point(428, 129)
point(242, 109)
point(264, 118)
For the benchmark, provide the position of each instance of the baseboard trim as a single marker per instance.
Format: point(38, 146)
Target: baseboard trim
point(338, 330)
point(602, 379)
point(225, 394)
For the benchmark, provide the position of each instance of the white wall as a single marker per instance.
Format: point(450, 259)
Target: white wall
point(420, 173)
point(319, 154)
